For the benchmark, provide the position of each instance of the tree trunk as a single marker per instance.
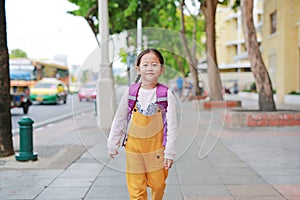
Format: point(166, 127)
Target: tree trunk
point(180, 64)
point(6, 144)
point(193, 54)
point(209, 7)
point(261, 75)
point(190, 53)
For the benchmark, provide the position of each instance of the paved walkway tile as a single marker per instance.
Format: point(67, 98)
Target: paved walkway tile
point(72, 182)
point(283, 180)
point(204, 190)
point(252, 190)
point(210, 198)
point(107, 193)
point(173, 192)
point(73, 193)
point(293, 198)
point(241, 179)
point(289, 190)
point(260, 198)
point(24, 184)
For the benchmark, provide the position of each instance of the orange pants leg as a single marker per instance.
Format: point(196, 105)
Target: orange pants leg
point(137, 186)
point(156, 181)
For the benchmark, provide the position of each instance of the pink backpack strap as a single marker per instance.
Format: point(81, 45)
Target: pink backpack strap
point(162, 101)
point(162, 96)
point(132, 97)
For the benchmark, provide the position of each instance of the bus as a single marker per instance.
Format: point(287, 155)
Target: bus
point(25, 72)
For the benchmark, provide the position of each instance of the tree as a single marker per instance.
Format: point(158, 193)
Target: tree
point(191, 52)
point(6, 144)
point(261, 75)
point(123, 14)
point(208, 7)
point(18, 53)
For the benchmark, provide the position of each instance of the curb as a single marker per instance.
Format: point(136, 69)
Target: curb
point(53, 120)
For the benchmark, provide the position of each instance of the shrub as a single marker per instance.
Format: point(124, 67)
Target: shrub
point(295, 93)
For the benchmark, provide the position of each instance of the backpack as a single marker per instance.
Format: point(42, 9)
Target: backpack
point(161, 100)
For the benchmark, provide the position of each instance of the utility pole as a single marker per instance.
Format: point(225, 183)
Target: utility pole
point(139, 35)
point(139, 28)
point(105, 86)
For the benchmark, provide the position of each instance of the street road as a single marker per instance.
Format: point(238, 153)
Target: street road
point(43, 114)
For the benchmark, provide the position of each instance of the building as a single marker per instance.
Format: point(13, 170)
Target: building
point(232, 56)
point(281, 45)
point(277, 25)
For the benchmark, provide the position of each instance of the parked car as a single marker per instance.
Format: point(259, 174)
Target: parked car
point(73, 88)
point(87, 91)
point(49, 91)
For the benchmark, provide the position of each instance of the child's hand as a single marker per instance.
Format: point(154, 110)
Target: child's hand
point(168, 163)
point(112, 155)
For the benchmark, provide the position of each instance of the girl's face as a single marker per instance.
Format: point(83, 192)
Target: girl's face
point(150, 68)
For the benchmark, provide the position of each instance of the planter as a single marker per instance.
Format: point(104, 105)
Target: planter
point(235, 118)
point(221, 104)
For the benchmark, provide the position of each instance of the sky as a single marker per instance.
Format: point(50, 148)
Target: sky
point(43, 29)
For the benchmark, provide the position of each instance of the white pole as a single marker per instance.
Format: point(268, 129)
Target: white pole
point(139, 35)
point(105, 98)
point(139, 43)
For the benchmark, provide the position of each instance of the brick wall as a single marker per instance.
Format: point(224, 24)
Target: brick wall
point(238, 119)
point(221, 104)
point(274, 119)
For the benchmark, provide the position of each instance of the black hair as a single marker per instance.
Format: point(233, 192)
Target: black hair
point(138, 60)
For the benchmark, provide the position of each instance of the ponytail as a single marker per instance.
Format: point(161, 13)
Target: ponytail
point(137, 78)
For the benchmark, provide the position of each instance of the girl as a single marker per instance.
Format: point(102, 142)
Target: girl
point(149, 154)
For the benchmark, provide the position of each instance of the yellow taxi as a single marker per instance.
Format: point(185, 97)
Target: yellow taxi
point(49, 91)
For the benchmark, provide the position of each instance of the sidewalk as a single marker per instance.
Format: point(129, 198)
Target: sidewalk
point(212, 162)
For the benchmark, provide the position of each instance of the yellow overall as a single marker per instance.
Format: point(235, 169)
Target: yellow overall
point(145, 156)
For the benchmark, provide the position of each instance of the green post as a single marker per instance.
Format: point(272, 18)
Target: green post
point(26, 143)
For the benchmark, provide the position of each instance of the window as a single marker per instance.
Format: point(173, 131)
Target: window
point(259, 18)
point(273, 18)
